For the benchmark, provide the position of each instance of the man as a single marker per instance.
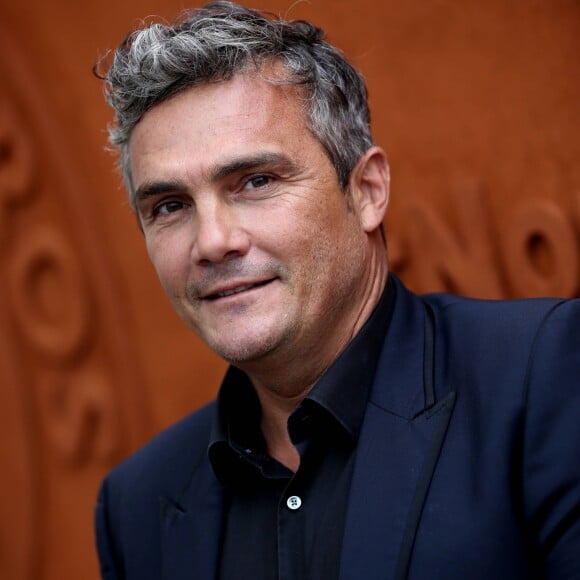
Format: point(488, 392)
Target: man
point(361, 432)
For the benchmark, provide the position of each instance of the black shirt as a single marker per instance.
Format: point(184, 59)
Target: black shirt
point(281, 525)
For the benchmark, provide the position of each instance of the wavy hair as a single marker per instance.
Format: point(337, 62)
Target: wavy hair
point(220, 40)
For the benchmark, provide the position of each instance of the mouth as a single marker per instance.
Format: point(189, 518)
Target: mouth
point(237, 289)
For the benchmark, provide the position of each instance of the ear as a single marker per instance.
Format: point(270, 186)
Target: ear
point(369, 188)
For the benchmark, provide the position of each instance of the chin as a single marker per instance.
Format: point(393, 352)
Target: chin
point(238, 357)
point(244, 350)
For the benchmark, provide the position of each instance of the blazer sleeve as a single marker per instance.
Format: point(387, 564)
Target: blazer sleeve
point(105, 545)
point(551, 446)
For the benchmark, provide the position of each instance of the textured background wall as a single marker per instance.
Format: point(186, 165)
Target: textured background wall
point(476, 103)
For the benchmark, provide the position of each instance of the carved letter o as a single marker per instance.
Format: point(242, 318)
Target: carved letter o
point(540, 249)
point(50, 300)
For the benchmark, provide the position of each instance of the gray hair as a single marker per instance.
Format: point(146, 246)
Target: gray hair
point(216, 42)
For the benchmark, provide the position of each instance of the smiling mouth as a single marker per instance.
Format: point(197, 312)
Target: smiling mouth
point(237, 290)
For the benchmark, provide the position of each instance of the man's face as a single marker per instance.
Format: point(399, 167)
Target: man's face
point(244, 221)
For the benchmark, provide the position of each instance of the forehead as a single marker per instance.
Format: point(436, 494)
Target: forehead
point(202, 123)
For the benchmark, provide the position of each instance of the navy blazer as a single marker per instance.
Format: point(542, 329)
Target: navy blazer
point(467, 466)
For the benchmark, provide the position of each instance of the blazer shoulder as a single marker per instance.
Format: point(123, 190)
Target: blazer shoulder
point(525, 315)
point(495, 346)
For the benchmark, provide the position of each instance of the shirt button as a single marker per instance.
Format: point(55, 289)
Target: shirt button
point(293, 502)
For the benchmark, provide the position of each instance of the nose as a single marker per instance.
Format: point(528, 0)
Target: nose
point(219, 234)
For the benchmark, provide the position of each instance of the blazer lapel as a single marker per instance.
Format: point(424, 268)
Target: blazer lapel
point(192, 528)
point(401, 437)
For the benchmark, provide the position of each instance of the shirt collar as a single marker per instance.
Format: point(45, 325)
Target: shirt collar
point(343, 390)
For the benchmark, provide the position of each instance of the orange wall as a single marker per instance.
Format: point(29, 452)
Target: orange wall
point(476, 103)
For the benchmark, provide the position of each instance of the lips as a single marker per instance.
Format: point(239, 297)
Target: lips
point(235, 289)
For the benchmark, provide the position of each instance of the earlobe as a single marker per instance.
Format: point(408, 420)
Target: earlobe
point(370, 188)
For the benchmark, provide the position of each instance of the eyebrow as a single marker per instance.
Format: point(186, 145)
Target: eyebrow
point(217, 173)
point(157, 188)
point(244, 163)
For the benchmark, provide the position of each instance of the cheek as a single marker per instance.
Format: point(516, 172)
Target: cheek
point(170, 261)
point(341, 249)
point(334, 235)
point(322, 250)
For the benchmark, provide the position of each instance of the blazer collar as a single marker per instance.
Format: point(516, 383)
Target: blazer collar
point(191, 528)
point(402, 435)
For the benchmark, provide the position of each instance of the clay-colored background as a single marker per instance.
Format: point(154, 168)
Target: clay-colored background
point(477, 104)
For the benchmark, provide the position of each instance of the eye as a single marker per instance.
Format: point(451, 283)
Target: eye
point(168, 207)
point(257, 181)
